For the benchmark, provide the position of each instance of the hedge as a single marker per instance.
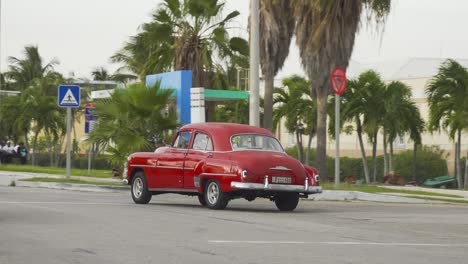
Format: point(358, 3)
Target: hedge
point(430, 163)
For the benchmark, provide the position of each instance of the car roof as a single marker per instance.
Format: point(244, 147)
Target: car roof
point(221, 132)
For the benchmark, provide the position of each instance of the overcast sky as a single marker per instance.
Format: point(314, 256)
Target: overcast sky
point(83, 34)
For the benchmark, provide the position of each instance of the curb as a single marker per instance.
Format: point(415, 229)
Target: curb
point(73, 187)
point(327, 195)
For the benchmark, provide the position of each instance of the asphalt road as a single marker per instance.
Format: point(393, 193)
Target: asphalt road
point(53, 226)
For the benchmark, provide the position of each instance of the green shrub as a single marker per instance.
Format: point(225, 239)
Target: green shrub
point(431, 162)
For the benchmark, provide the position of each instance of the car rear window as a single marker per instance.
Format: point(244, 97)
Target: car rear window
point(255, 142)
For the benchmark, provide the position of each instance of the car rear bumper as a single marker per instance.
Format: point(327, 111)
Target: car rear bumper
point(276, 187)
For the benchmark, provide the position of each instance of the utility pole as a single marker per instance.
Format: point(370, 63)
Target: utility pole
point(254, 109)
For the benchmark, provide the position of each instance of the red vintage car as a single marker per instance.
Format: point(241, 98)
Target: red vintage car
point(219, 162)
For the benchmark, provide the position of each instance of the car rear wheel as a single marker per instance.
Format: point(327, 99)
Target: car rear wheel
point(215, 198)
point(287, 201)
point(140, 193)
point(201, 199)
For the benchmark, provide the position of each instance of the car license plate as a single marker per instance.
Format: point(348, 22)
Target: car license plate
point(286, 180)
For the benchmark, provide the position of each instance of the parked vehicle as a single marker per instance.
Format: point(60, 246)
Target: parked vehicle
point(219, 162)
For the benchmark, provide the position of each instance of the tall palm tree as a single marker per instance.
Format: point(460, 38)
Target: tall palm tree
point(276, 27)
point(448, 105)
point(132, 120)
point(297, 107)
point(185, 35)
point(24, 71)
point(100, 74)
point(325, 32)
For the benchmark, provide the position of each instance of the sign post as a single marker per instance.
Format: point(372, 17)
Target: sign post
point(338, 83)
point(68, 97)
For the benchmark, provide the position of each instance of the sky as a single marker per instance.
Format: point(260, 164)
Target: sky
point(84, 34)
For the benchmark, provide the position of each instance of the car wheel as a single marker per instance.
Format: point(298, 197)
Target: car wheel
point(287, 201)
point(140, 193)
point(214, 196)
point(201, 199)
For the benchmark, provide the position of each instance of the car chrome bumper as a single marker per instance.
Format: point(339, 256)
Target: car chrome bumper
point(276, 187)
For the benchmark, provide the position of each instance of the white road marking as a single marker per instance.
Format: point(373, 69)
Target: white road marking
point(345, 243)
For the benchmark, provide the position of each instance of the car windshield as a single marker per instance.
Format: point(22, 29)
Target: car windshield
point(256, 142)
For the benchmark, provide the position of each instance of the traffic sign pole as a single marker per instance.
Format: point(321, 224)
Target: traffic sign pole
point(69, 120)
point(338, 83)
point(68, 97)
point(337, 141)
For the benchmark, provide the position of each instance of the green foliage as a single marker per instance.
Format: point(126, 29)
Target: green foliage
point(448, 98)
point(134, 119)
point(431, 162)
point(233, 112)
point(184, 35)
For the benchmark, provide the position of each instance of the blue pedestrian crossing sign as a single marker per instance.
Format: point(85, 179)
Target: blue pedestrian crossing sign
point(69, 96)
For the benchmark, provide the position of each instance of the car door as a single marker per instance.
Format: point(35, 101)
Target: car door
point(170, 165)
point(200, 150)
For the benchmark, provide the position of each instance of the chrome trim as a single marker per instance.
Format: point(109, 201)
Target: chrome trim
point(276, 187)
point(306, 185)
point(169, 167)
point(280, 168)
point(172, 190)
point(265, 183)
point(219, 174)
point(141, 165)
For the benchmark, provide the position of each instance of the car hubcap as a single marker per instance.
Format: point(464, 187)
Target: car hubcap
point(137, 188)
point(213, 193)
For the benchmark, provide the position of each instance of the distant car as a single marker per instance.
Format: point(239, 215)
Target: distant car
point(219, 162)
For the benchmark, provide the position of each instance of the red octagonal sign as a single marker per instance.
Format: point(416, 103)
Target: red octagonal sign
point(338, 80)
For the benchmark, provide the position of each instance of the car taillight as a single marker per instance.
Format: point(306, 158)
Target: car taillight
point(317, 178)
point(244, 174)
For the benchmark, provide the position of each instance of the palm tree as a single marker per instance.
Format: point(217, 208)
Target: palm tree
point(24, 71)
point(325, 32)
point(276, 27)
point(401, 116)
point(101, 74)
point(295, 105)
point(132, 120)
point(362, 104)
point(185, 35)
point(448, 105)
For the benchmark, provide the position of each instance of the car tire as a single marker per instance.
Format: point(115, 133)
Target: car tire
point(201, 199)
point(287, 201)
point(139, 189)
point(215, 198)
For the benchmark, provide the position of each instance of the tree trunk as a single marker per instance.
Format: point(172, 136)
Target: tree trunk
point(385, 155)
point(374, 157)
point(309, 144)
point(268, 102)
point(363, 151)
point(300, 149)
point(466, 171)
point(33, 156)
point(321, 155)
point(415, 163)
point(459, 173)
point(210, 110)
point(390, 158)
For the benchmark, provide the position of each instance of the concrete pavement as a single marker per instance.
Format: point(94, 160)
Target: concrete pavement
point(55, 226)
point(6, 177)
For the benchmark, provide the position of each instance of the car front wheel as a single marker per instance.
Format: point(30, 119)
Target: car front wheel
point(140, 193)
point(215, 198)
point(287, 201)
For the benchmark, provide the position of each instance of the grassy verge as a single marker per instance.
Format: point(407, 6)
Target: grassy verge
point(375, 189)
point(73, 181)
point(56, 170)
